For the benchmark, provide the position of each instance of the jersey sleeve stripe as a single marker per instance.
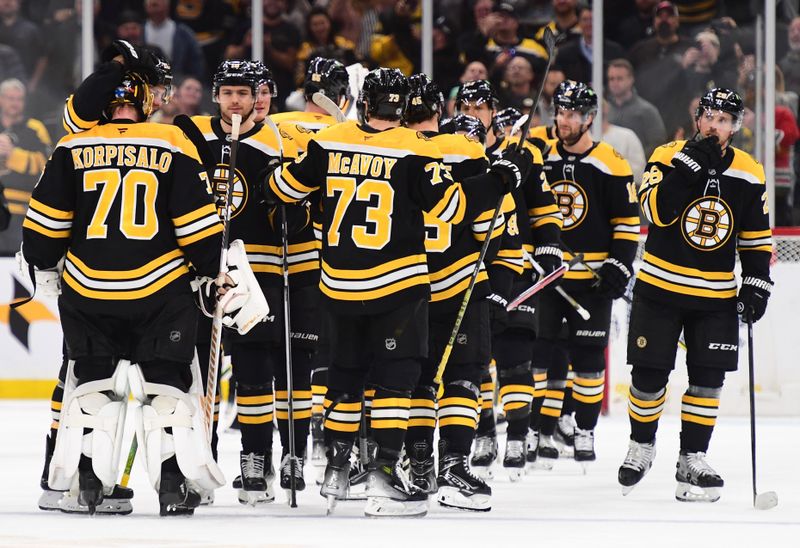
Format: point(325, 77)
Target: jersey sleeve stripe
point(451, 207)
point(50, 211)
point(286, 186)
point(72, 122)
point(30, 224)
point(47, 222)
point(194, 215)
point(199, 224)
point(625, 221)
point(197, 236)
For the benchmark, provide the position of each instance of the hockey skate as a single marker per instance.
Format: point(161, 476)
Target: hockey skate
point(116, 502)
point(564, 436)
point(317, 441)
point(459, 487)
point(531, 445)
point(546, 453)
point(584, 447)
point(422, 467)
point(90, 490)
point(334, 486)
point(637, 463)
point(514, 459)
point(697, 481)
point(286, 473)
point(175, 496)
point(255, 482)
point(391, 494)
point(483, 456)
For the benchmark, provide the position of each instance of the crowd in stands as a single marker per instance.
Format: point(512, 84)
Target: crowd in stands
point(659, 57)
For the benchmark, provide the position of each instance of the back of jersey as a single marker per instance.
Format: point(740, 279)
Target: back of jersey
point(124, 201)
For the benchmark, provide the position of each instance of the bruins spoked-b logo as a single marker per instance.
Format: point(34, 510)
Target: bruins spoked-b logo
point(707, 223)
point(239, 193)
point(571, 198)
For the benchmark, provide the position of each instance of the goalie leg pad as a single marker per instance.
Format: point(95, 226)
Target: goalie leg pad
point(244, 305)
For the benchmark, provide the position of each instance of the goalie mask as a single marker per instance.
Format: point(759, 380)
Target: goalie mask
point(425, 99)
point(384, 95)
point(329, 77)
point(133, 90)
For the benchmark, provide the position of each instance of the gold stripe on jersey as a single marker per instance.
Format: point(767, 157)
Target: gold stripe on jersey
point(607, 160)
point(124, 284)
point(626, 228)
point(287, 187)
point(309, 120)
point(540, 216)
point(451, 207)
point(72, 122)
point(269, 258)
point(454, 279)
point(48, 221)
point(686, 281)
point(376, 282)
point(456, 411)
point(197, 225)
point(512, 259)
point(580, 271)
point(754, 240)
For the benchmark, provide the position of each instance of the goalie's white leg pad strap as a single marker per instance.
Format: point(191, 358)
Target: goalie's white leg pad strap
point(245, 304)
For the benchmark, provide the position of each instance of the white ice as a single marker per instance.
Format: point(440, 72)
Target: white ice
point(563, 507)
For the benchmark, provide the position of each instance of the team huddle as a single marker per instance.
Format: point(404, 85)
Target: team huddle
point(386, 277)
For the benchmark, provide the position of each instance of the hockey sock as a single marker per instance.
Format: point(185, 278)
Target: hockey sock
point(516, 395)
point(301, 401)
point(56, 401)
point(422, 415)
point(458, 416)
point(587, 394)
point(342, 416)
point(255, 407)
point(644, 409)
point(539, 390)
point(556, 384)
point(369, 395)
point(389, 421)
point(569, 403)
point(319, 386)
point(699, 407)
point(486, 424)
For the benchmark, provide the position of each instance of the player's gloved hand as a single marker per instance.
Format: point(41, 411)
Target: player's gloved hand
point(697, 156)
point(137, 60)
point(208, 292)
point(614, 278)
point(512, 167)
point(297, 218)
point(260, 184)
point(753, 297)
point(498, 316)
point(549, 257)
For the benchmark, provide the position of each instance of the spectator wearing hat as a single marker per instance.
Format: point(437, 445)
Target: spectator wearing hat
point(626, 142)
point(575, 57)
point(10, 64)
point(176, 40)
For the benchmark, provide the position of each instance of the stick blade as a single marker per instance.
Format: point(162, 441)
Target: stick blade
point(549, 40)
point(765, 501)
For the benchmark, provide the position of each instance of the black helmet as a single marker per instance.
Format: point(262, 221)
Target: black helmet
point(263, 76)
point(468, 125)
point(234, 73)
point(327, 76)
point(384, 94)
point(425, 99)
point(132, 90)
point(478, 92)
point(506, 118)
point(723, 99)
point(164, 76)
point(572, 95)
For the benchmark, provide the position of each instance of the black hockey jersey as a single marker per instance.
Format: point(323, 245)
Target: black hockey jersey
point(691, 246)
point(374, 187)
point(124, 202)
point(597, 197)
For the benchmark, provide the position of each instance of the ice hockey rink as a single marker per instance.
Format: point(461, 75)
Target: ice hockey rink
point(563, 507)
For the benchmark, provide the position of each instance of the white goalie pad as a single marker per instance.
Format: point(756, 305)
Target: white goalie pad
point(100, 406)
point(163, 407)
point(244, 305)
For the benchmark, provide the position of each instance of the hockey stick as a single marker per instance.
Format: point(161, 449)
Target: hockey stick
point(216, 323)
point(582, 312)
point(556, 274)
point(194, 135)
point(287, 336)
point(768, 499)
point(325, 103)
point(126, 474)
point(550, 44)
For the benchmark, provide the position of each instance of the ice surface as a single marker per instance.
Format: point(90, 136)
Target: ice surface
point(562, 506)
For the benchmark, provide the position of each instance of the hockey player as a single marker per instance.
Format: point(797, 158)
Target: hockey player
point(514, 332)
point(595, 191)
point(706, 200)
point(258, 356)
point(266, 90)
point(452, 254)
point(121, 219)
point(376, 179)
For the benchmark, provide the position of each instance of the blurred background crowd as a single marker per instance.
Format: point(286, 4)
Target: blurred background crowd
point(659, 57)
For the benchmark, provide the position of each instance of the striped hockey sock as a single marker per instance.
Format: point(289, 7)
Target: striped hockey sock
point(644, 410)
point(389, 421)
point(255, 407)
point(587, 393)
point(699, 408)
point(458, 416)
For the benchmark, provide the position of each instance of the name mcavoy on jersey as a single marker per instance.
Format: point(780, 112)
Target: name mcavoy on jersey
point(360, 164)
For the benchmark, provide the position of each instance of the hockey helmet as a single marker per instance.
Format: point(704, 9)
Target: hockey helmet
point(164, 77)
point(263, 76)
point(506, 118)
point(572, 95)
point(469, 126)
point(327, 76)
point(384, 94)
point(132, 90)
point(723, 99)
point(478, 92)
point(234, 73)
point(425, 99)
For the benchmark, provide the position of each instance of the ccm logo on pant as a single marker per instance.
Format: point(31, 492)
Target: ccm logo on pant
point(723, 346)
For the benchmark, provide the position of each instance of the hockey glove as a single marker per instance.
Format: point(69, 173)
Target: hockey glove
point(47, 282)
point(614, 278)
point(498, 316)
point(137, 60)
point(260, 185)
point(753, 297)
point(297, 218)
point(697, 156)
point(512, 167)
point(549, 258)
point(541, 144)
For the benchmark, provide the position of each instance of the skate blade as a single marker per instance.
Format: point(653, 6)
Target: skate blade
point(483, 472)
point(331, 505)
point(515, 474)
point(542, 463)
point(255, 498)
point(686, 492)
point(113, 507)
point(450, 497)
point(49, 500)
point(384, 507)
point(626, 489)
point(765, 501)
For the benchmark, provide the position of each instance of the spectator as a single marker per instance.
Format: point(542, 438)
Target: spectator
point(626, 143)
point(636, 26)
point(24, 148)
point(695, 15)
point(186, 99)
point(130, 27)
point(545, 113)
point(575, 57)
point(703, 67)
point(628, 110)
point(211, 22)
point(790, 64)
point(26, 39)
point(476, 70)
point(322, 33)
point(10, 64)
point(176, 40)
point(657, 62)
point(281, 44)
point(564, 24)
point(515, 88)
